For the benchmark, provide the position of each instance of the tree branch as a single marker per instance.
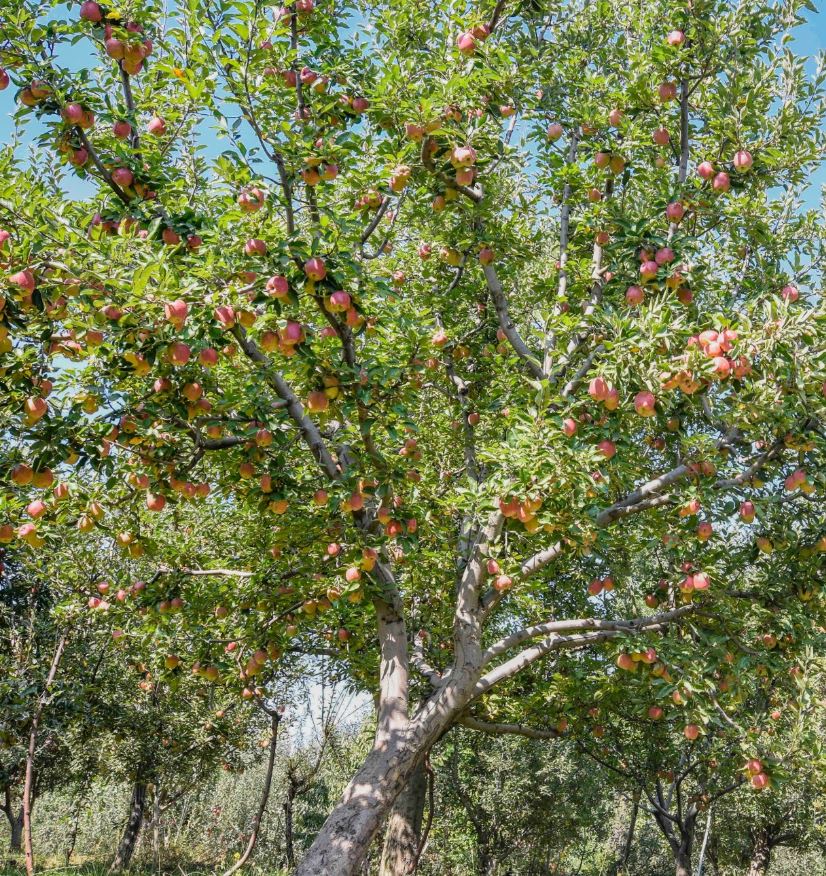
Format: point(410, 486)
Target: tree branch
point(498, 729)
point(555, 642)
point(104, 173)
point(306, 426)
point(265, 795)
point(564, 626)
point(419, 662)
point(641, 498)
point(228, 573)
point(541, 559)
point(500, 303)
point(564, 235)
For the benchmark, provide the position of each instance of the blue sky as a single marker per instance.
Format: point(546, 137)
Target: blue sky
point(809, 40)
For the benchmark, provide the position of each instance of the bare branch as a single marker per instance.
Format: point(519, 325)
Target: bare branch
point(499, 729)
point(419, 662)
point(468, 603)
point(374, 222)
point(500, 303)
point(648, 495)
point(228, 573)
point(541, 559)
point(134, 138)
point(573, 384)
point(587, 623)
point(564, 235)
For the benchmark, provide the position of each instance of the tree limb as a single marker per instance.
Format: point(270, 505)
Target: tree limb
point(500, 303)
point(498, 729)
point(306, 426)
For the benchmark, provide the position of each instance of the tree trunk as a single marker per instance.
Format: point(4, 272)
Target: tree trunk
point(156, 825)
point(16, 825)
point(486, 862)
point(343, 841)
point(28, 782)
point(625, 854)
point(289, 846)
point(129, 839)
point(265, 796)
point(404, 827)
point(760, 856)
point(400, 745)
point(683, 862)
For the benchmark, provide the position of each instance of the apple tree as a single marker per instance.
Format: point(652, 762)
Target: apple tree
point(478, 323)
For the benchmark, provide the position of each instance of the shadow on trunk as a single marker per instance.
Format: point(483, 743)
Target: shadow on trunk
point(126, 847)
point(404, 839)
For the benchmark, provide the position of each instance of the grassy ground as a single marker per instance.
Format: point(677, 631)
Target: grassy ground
point(13, 866)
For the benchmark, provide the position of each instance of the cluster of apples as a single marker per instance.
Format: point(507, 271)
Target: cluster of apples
point(318, 170)
point(721, 180)
point(123, 44)
point(653, 260)
point(704, 529)
point(100, 601)
point(601, 585)
point(798, 480)
point(500, 581)
point(694, 581)
point(523, 510)
point(716, 348)
point(631, 661)
point(76, 116)
point(601, 391)
point(758, 777)
point(23, 475)
point(468, 40)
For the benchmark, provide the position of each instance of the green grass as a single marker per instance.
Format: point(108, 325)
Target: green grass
point(13, 866)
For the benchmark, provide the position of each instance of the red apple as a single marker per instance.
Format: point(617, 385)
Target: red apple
point(626, 662)
point(634, 295)
point(176, 312)
point(607, 448)
point(23, 280)
point(747, 511)
point(721, 182)
point(705, 169)
point(90, 11)
point(675, 211)
point(502, 583)
point(742, 161)
point(277, 287)
point(255, 246)
point(667, 91)
point(554, 131)
point(645, 404)
point(156, 126)
point(315, 268)
point(466, 43)
point(179, 353)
